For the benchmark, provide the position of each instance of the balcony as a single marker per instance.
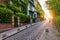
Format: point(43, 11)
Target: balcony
point(31, 8)
point(32, 1)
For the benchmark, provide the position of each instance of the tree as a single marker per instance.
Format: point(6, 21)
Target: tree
point(55, 5)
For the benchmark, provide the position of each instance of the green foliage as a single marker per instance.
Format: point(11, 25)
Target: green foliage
point(6, 11)
point(5, 15)
point(54, 4)
point(2, 5)
point(15, 9)
point(40, 11)
point(58, 21)
point(16, 5)
point(24, 18)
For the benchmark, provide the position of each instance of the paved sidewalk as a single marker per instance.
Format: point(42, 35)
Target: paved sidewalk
point(13, 31)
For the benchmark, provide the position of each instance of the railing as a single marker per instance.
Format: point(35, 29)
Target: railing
point(32, 9)
point(32, 1)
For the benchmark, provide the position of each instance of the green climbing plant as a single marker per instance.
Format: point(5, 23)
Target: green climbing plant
point(40, 11)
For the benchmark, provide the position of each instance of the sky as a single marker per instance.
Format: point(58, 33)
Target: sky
point(45, 8)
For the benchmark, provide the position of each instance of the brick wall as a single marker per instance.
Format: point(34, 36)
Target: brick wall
point(5, 26)
point(3, 1)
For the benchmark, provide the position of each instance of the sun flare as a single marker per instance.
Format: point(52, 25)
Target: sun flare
point(47, 14)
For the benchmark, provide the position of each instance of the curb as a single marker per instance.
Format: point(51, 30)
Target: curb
point(19, 30)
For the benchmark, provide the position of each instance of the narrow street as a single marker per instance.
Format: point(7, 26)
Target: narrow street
point(29, 20)
point(50, 35)
point(36, 32)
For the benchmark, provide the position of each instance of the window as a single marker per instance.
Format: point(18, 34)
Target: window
point(32, 1)
point(30, 7)
point(21, 8)
point(11, 3)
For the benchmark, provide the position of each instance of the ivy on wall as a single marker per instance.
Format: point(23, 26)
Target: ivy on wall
point(19, 3)
point(40, 11)
point(5, 14)
point(14, 9)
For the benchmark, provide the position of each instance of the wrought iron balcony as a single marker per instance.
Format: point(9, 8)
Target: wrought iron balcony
point(32, 1)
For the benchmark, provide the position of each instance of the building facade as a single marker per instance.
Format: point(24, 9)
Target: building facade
point(15, 5)
point(32, 10)
point(38, 14)
point(23, 6)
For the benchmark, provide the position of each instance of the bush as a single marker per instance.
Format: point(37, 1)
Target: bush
point(5, 10)
point(58, 24)
point(15, 9)
point(23, 18)
point(5, 15)
point(2, 5)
